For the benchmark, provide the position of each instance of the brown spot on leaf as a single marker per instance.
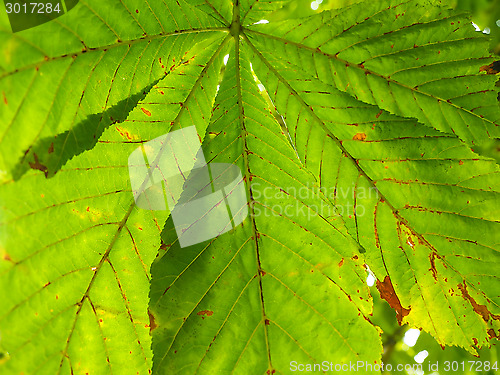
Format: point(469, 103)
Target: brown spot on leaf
point(378, 114)
point(460, 162)
point(388, 293)
point(146, 112)
point(39, 166)
point(409, 241)
point(267, 322)
point(5, 98)
point(481, 310)
point(152, 323)
point(359, 137)
point(341, 263)
point(493, 334)
point(432, 259)
point(125, 133)
point(51, 148)
point(205, 312)
point(493, 68)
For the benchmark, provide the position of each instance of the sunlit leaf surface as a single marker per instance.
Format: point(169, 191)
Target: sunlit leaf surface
point(352, 130)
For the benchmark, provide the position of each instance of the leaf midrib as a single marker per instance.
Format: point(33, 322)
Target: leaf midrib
point(244, 136)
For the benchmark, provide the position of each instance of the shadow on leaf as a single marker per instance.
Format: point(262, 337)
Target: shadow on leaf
point(49, 154)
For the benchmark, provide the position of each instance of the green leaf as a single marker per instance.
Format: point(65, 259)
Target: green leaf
point(351, 129)
point(409, 58)
point(429, 227)
point(90, 78)
point(76, 251)
point(254, 282)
